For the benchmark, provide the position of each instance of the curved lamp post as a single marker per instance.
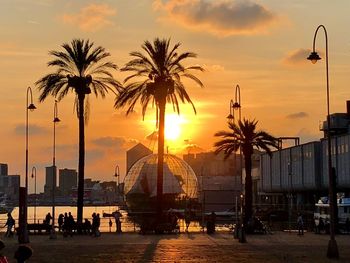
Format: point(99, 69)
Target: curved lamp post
point(55, 120)
point(29, 107)
point(235, 105)
point(332, 251)
point(34, 176)
point(117, 175)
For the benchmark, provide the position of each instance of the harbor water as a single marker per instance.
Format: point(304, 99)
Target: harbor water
point(128, 225)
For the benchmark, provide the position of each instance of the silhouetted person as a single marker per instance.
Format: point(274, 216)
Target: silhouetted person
point(211, 223)
point(321, 225)
point(118, 225)
point(71, 224)
point(48, 218)
point(347, 225)
point(23, 253)
point(94, 225)
point(187, 219)
point(60, 222)
point(300, 223)
point(65, 224)
point(10, 223)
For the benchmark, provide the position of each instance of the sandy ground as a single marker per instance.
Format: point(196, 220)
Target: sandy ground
point(195, 247)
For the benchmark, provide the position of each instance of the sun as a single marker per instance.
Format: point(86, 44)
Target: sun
point(173, 123)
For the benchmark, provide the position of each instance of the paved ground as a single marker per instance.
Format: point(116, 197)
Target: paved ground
point(196, 247)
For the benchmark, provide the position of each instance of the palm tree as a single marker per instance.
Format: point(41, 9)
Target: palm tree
point(156, 78)
point(244, 136)
point(80, 68)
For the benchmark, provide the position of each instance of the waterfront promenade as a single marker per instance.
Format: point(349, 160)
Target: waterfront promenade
point(196, 247)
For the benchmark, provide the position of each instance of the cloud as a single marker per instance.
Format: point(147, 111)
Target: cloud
point(92, 17)
point(307, 136)
point(224, 17)
point(213, 68)
point(33, 129)
point(297, 57)
point(114, 142)
point(298, 115)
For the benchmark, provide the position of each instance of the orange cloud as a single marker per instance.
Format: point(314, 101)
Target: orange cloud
point(91, 18)
point(224, 18)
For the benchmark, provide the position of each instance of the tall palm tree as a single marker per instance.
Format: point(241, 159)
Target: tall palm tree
point(244, 136)
point(156, 78)
point(80, 68)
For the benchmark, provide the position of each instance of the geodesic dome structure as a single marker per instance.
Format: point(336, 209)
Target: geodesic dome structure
point(178, 178)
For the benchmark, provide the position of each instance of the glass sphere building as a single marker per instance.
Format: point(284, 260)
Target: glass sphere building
point(179, 181)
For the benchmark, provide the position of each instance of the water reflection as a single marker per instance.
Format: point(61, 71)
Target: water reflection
point(127, 224)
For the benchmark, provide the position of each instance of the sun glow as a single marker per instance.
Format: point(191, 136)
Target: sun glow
point(173, 129)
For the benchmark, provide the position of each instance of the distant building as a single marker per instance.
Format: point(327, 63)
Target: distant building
point(135, 154)
point(67, 181)
point(3, 169)
point(9, 184)
point(50, 183)
point(219, 179)
point(301, 172)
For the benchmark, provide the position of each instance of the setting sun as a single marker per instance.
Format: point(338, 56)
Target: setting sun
point(173, 123)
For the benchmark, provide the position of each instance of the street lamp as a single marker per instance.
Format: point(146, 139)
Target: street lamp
point(332, 251)
point(55, 120)
point(29, 107)
point(117, 174)
point(235, 105)
point(34, 176)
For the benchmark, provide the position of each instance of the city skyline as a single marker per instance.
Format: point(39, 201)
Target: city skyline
point(264, 52)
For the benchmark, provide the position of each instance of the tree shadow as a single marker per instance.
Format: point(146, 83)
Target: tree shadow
point(149, 252)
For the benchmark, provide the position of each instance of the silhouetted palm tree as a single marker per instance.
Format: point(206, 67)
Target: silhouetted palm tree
point(156, 78)
point(245, 136)
point(80, 68)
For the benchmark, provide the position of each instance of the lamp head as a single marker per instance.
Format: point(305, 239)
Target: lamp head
point(32, 175)
point(31, 107)
point(56, 119)
point(236, 105)
point(314, 57)
point(230, 117)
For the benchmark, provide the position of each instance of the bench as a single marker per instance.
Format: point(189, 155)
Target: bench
point(37, 228)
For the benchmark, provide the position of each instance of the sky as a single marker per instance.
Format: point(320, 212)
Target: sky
point(261, 45)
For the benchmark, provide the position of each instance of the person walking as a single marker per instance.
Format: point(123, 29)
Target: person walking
point(300, 224)
point(10, 223)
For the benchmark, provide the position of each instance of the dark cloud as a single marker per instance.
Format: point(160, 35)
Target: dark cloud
point(219, 17)
point(298, 115)
point(33, 129)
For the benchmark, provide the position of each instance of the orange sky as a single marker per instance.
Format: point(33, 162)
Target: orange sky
point(259, 44)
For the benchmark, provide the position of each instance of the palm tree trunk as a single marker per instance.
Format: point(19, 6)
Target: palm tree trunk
point(161, 105)
point(248, 187)
point(80, 203)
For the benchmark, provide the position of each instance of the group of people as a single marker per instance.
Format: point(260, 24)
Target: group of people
point(66, 224)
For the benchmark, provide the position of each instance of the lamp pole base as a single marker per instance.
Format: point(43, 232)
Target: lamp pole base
point(332, 251)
